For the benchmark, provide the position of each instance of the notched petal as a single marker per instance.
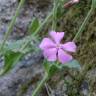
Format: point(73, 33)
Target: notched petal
point(47, 43)
point(63, 57)
point(56, 36)
point(69, 46)
point(50, 54)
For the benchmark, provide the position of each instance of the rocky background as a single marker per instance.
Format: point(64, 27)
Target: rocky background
point(23, 78)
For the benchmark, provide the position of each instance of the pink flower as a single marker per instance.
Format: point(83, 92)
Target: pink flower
point(54, 50)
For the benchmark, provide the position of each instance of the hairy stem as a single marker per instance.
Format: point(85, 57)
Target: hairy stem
point(81, 29)
point(12, 24)
point(54, 15)
point(40, 85)
point(39, 28)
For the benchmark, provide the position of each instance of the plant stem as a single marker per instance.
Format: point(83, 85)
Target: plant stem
point(81, 29)
point(40, 85)
point(39, 28)
point(12, 24)
point(29, 40)
point(54, 15)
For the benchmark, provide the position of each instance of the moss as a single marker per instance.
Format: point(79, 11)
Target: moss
point(86, 53)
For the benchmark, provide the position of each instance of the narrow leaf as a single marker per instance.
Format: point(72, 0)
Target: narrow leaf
point(33, 26)
point(9, 61)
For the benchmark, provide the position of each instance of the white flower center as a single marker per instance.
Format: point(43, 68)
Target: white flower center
point(58, 46)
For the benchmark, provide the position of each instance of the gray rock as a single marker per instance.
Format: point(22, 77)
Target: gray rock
point(29, 69)
point(11, 84)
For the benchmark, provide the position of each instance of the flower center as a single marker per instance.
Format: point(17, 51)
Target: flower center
point(58, 46)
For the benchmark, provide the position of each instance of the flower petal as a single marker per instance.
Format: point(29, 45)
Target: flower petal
point(47, 43)
point(70, 46)
point(50, 54)
point(56, 36)
point(63, 57)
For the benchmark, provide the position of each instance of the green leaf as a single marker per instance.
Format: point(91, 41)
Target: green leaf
point(16, 46)
point(46, 65)
point(33, 26)
point(9, 61)
point(51, 68)
point(60, 9)
point(72, 64)
point(54, 68)
point(60, 12)
point(13, 52)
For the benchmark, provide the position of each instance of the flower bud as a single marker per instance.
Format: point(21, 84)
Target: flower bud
point(75, 1)
point(70, 3)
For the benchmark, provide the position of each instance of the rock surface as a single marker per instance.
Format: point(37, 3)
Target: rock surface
point(11, 83)
point(29, 69)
